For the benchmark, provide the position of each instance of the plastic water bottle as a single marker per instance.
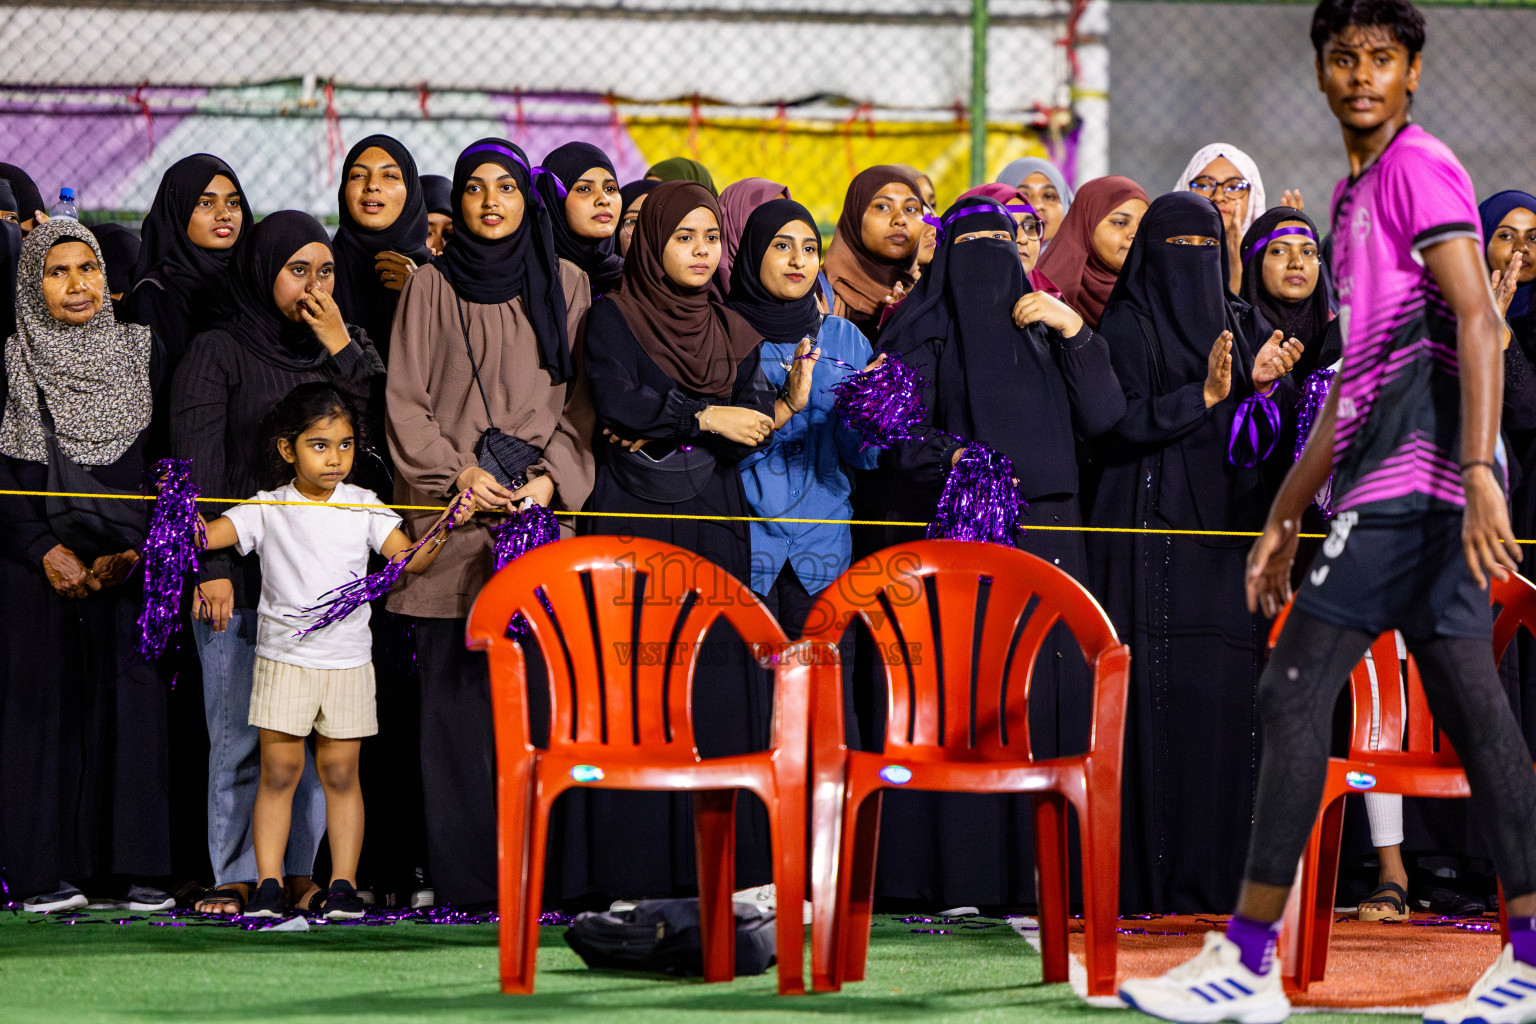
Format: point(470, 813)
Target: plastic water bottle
point(65, 207)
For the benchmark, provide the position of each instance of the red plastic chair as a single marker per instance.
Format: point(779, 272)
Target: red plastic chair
point(620, 623)
point(1424, 764)
point(960, 625)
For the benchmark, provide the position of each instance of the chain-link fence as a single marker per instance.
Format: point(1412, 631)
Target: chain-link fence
point(1188, 74)
point(104, 96)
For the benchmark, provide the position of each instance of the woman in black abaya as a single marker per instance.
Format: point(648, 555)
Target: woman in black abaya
point(83, 735)
point(1285, 282)
point(578, 187)
point(1018, 371)
point(181, 279)
point(383, 234)
point(1184, 349)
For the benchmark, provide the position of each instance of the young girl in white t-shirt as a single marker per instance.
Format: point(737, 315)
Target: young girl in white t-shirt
point(321, 681)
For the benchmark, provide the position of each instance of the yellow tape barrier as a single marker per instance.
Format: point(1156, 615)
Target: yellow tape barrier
point(663, 515)
point(666, 515)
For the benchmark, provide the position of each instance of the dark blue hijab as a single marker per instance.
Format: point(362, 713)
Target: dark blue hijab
point(1493, 210)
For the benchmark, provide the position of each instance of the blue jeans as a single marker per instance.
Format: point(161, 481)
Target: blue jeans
point(234, 759)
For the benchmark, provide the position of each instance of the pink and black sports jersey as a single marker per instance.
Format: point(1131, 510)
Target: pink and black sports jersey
point(1398, 435)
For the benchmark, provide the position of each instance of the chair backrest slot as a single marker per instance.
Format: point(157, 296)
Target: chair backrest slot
point(672, 662)
point(600, 706)
point(936, 631)
point(906, 710)
point(565, 657)
point(637, 654)
point(983, 591)
point(1005, 715)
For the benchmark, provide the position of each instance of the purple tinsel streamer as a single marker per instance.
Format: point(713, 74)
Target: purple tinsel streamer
point(349, 597)
point(980, 501)
point(518, 534)
point(883, 405)
point(1245, 426)
point(169, 552)
point(521, 532)
point(1313, 394)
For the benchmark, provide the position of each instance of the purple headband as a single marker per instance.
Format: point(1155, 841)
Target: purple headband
point(1282, 232)
point(990, 207)
point(964, 211)
point(491, 147)
point(560, 189)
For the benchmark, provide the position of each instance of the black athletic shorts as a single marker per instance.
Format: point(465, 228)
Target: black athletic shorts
point(1410, 576)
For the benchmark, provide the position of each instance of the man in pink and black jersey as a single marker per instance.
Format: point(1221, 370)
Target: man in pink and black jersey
point(1410, 432)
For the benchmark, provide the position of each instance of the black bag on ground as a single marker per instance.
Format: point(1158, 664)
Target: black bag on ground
point(663, 937)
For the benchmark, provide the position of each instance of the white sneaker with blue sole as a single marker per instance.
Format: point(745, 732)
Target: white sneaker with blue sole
point(1213, 986)
point(1505, 994)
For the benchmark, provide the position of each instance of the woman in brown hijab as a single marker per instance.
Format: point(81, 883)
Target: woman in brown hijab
point(871, 264)
point(1085, 257)
point(487, 334)
point(677, 389)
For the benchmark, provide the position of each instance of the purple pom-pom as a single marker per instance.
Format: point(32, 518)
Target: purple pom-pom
point(883, 405)
point(169, 553)
point(980, 500)
point(518, 534)
point(1313, 394)
point(521, 532)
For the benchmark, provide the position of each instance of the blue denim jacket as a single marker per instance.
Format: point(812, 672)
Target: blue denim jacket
point(806, 472)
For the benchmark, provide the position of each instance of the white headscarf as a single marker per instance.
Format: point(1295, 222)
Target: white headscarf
point(1245, 166)
point(94, 375)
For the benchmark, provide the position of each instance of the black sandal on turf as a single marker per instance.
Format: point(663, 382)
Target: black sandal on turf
point(342, 903)
point(1396, 898)
point(220, 895)
point(268, 901)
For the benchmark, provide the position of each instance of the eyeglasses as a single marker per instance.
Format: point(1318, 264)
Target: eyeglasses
point(1031, 228)
point(1233, 187)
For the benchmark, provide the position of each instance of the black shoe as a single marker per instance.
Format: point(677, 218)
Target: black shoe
point(147, 898)
point(342, 903)
point(66, 898)
point(268, 901)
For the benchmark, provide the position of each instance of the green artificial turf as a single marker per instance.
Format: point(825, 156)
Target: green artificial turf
point(81, 972)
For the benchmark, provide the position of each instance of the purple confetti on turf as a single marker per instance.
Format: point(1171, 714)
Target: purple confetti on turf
point(169, 553)
point(980, 501)
point(931, 931)
point(521, 532)
point(884, 405)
